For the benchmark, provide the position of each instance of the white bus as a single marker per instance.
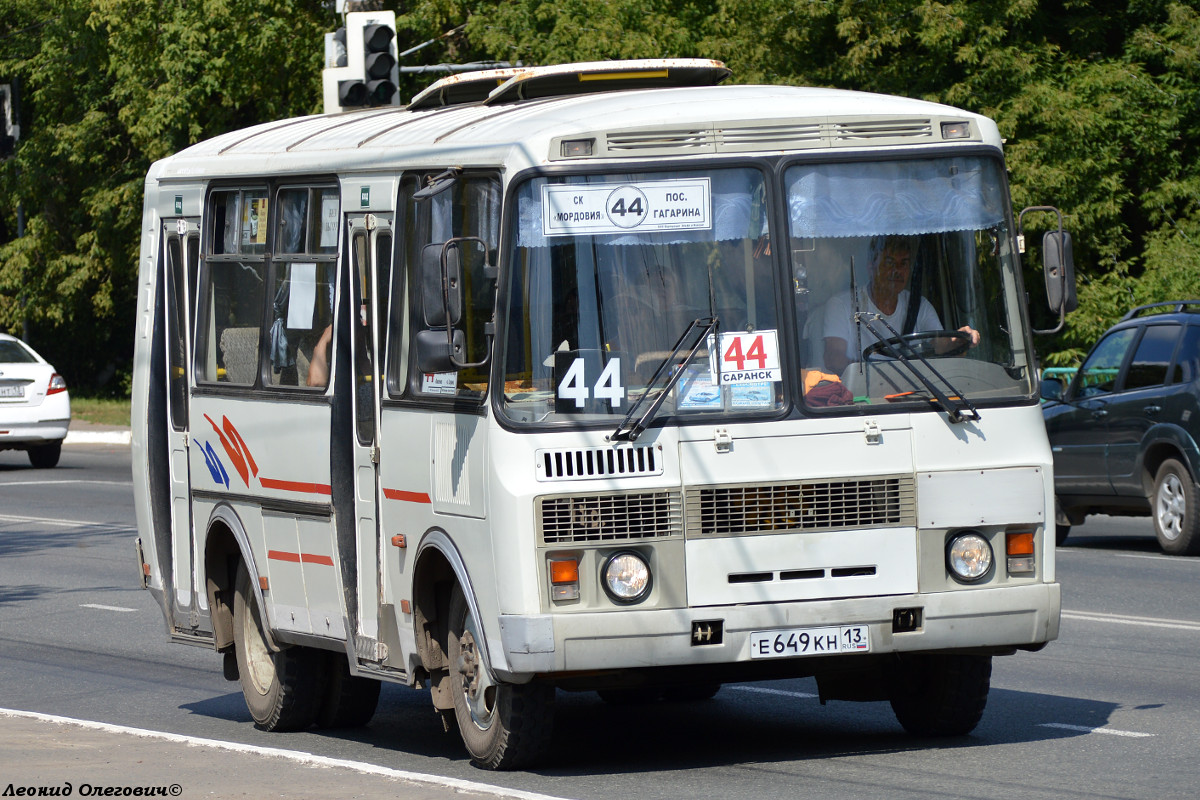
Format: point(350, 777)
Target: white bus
point(593, 377)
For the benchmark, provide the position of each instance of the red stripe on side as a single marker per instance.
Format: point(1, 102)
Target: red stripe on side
point(296, 486)
point(407, 497)
point(297, 558)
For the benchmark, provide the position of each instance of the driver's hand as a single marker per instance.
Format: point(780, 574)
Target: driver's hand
point(974, 334)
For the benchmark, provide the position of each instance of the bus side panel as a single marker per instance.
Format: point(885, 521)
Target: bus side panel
point(270, 459)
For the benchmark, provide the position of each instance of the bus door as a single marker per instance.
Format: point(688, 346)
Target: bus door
point(370, 267)
point(181, 240)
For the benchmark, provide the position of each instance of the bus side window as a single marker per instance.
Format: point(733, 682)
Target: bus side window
point(302, 287)
point(470, 208)
point(233, 287)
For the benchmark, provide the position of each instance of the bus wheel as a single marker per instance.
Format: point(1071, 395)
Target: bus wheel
point(940, 695)
point(282, 690)
point(349, 701)
point(503, 725)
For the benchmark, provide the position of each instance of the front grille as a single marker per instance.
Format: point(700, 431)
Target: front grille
point(805, 506)
point(609, 517)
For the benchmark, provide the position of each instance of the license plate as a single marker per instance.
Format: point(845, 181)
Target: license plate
point(12, 391)
point(810, 642)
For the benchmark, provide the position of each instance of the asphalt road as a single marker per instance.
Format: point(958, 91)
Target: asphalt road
point(1110, 710)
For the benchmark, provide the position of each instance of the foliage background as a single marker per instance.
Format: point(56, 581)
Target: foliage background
point(1099, 103)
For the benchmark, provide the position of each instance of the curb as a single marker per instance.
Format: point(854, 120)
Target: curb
point(99, 437)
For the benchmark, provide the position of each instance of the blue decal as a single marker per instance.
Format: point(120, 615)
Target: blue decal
point(215, 467)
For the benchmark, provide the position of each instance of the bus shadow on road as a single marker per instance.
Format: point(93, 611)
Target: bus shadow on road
point(737, 727)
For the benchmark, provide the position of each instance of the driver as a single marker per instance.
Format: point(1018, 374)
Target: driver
point(886, 294)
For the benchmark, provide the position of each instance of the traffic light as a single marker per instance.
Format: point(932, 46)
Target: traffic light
point(360, 63)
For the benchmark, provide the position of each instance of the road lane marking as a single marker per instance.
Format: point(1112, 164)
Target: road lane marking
point(54, 483)
point(106, 608)
point(295, 756)
point(764, 690)
point(1088, 729)
point(1126, 619)
point(68, 523)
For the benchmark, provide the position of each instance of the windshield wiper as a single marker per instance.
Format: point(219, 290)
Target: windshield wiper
point(960, 411)
point(628, 430)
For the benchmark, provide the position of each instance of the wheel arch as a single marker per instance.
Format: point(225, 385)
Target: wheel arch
point(226, 545)
point(1168, 442)
point(439, 566)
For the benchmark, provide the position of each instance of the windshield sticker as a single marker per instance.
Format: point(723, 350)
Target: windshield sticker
point(674, 205)
point(746, 357)
point(580, 375)
point(752, 395)
point(698, 391)
point(439, 383)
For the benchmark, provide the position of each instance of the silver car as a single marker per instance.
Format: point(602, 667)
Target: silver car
point(35, 408)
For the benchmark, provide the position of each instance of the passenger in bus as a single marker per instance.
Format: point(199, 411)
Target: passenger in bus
point(318, 367)
point(886, 294)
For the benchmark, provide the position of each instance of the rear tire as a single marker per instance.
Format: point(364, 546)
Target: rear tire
point(503, 725)
point(940, 695)
point(282, 690)
point(45, 456)
point(349, 701)
point(1173, 507)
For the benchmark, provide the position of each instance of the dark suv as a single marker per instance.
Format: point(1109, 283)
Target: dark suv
point(1124, 430)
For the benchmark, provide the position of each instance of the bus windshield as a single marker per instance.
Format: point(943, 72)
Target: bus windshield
point(905, 276)
point(901, 279)
point(609, 271)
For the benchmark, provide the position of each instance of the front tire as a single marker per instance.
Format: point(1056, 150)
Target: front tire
point(282, 690)
point(45, 456)
point(1173, 506)
point(503, 725)
point(940, 695)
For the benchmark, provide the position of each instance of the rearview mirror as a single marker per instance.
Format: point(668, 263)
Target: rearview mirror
point(441, 350)
point(441, 285)
point(1058, 263)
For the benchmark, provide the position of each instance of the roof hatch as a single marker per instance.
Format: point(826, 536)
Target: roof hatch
point(498, 86)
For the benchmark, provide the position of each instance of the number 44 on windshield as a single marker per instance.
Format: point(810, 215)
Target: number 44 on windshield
point(746, 357)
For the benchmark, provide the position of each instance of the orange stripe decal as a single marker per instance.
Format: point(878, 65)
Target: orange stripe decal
point(296, 486)
point(407, 497)
point(297, 558)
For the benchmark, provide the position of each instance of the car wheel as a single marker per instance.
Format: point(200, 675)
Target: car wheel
point(1173, 508)
point(940, 695)
point(503, 725)
point(1061, 532)
point(45, 456)
point(283, 689)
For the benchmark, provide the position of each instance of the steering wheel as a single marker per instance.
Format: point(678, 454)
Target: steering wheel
point(924, 344)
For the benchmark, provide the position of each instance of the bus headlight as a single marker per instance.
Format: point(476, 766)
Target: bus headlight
point(969, 556)
point(626, 577)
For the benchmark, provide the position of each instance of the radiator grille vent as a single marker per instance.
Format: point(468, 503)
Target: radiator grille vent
point(598, 462)
point(691, 139)
point(812, 506)
point(610, 517)
point(780, 136)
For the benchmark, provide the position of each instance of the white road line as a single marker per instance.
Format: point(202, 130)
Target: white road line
point(66, 523)
point(1086, 729)
point(764, 690)
point(55, 483)
point(1126, 619)
point(106, 608)
point(289, 755)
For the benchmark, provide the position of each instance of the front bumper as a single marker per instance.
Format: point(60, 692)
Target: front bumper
point(1004, 617)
